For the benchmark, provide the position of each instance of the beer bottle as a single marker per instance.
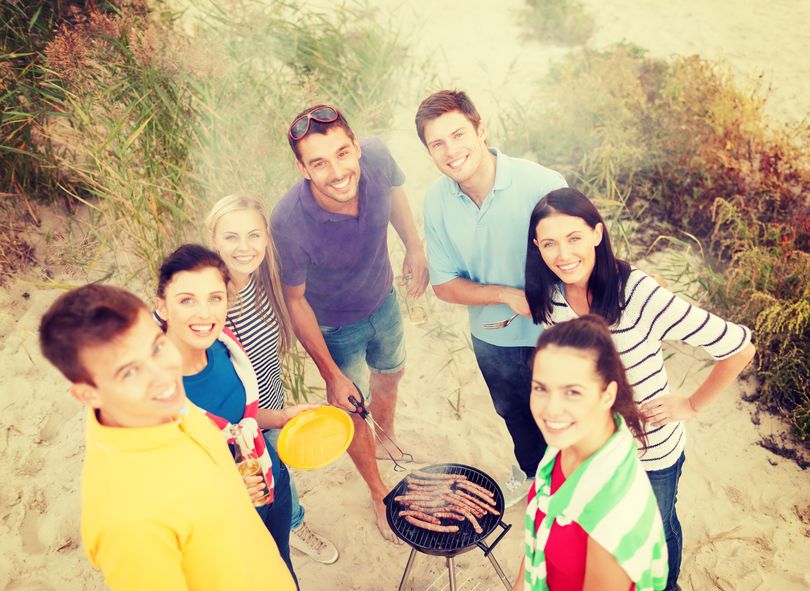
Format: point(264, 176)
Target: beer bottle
point(247, 462)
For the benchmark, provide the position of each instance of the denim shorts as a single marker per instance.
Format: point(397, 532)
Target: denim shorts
point(375, 343)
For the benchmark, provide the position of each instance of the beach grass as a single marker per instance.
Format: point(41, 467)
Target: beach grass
point(676, 153)
point(564, 22)
point(146, 116)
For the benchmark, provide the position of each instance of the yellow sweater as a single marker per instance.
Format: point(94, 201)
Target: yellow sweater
point(163, 508)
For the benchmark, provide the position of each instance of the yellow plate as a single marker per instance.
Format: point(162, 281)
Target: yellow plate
point(315, 438)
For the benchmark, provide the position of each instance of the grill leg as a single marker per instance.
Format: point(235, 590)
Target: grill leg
point(407, 569)
point(451, 568)
point(499, 570)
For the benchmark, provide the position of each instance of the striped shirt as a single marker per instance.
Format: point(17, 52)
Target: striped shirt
point(258, 334)
point(652, 315)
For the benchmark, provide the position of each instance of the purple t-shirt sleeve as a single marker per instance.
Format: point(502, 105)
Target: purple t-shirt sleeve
point(377, 152)
point(293, 260)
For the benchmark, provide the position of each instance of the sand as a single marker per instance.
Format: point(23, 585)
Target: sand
point(745, 512)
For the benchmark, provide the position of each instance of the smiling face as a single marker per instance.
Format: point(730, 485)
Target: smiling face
point(194, 307)
point(240, 237)
point(568, 247)
point(569, 401)
point(137, 377)
point(331, 161)
point(456, 146)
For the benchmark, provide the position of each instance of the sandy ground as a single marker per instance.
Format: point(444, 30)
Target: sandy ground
point(745, 512)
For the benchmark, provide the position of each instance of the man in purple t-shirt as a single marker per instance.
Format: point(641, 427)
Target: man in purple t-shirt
point(331, 233)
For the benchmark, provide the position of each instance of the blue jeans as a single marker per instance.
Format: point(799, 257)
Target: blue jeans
point(665, 486)
point(376, 343)
point(276, 517)
point(509, 379)
point(297, 509)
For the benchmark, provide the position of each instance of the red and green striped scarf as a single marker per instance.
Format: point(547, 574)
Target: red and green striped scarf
point(610, 497)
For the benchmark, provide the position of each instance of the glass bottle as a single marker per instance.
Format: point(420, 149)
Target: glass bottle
point(416, 312)
point(247, 462)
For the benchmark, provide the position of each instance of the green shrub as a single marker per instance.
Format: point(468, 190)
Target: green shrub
point(676, 147)
point(129, 138)
point(254, 69)
point(154, 123)
point(27, 166)
point(559, 21)
point(162, 123)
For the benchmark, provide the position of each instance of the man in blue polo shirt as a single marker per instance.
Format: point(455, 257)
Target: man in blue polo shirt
point(476, 223)
point(331, 232)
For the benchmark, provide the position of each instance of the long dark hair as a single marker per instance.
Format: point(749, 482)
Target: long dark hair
point(591, 333)
point(188, 257)
point(609, 276)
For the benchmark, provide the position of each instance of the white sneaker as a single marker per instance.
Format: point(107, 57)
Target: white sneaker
point(313, 545)
point(516, 489)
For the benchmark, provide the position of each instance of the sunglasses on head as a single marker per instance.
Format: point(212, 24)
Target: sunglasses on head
point(321, 114)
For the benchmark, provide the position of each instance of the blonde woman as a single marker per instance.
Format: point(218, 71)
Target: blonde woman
point(238, 230)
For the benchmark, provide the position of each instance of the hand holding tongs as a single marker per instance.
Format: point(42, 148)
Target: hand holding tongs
point(360, 409)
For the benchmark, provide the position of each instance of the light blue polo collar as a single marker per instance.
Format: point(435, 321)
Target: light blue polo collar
point(503, 175)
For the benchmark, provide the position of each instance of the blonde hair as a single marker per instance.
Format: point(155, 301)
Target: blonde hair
point(266, 276)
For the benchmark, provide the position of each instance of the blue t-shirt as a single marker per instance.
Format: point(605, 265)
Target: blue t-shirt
point(488, 245)
point(343, 259)
point(217, 388)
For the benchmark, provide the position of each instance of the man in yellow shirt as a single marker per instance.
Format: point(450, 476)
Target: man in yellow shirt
point(163, 506)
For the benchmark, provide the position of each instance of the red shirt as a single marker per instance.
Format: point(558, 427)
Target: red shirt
point(567, 546)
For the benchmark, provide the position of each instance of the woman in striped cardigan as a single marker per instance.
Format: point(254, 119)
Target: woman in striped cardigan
point(571, 271)
point(238, 230)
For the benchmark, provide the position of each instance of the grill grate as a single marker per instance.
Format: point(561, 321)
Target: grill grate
point(442, 543)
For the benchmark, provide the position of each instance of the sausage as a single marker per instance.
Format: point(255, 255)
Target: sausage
point(423, 496)
point(449, 515)
point(469, 516)
point(420, 515)
point(427, 509)
point(428, 489)
point(454, 499)
point(414, 497)
point(428, 485)
point(421, 475)
point(422, 500)
point(477, 502)
point(431, 526)
point(480, 491)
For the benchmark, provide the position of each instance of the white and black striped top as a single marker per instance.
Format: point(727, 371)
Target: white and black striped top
point(259, 336)
point(652, 315)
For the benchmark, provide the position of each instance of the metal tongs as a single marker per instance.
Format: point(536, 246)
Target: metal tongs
point(360, 409)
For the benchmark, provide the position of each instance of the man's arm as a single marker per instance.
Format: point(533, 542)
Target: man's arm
point(415, 263)
point(305, 326)
point(470, 293)
point(445, 270)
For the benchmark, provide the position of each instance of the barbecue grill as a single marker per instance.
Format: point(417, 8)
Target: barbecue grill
point(449, 545)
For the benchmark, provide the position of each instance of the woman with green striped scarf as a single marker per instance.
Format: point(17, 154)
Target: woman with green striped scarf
point(592, 521)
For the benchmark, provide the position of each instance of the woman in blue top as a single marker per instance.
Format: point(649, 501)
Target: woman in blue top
point(217, 374)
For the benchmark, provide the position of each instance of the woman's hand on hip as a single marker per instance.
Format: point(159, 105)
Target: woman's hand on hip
point(667, 409)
